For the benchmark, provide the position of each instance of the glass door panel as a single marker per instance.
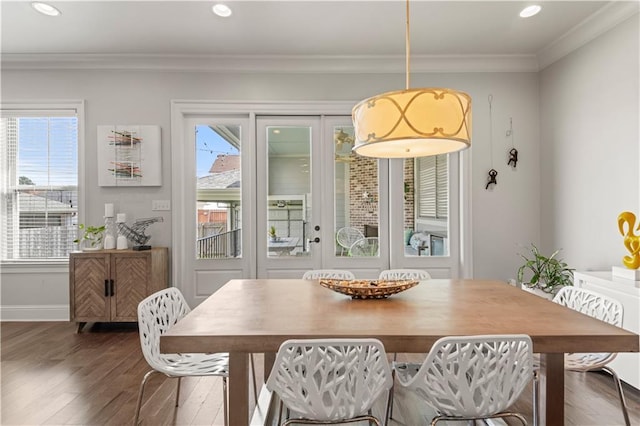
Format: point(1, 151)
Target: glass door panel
point(426, 206)
point(218, 192)
point(356, 195)
point(288, 190)
point(288, 241)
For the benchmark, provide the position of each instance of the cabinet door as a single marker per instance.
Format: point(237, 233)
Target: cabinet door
point(130, 273)
point(87, 287)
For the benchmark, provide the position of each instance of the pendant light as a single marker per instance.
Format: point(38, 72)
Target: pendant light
point(412, 122)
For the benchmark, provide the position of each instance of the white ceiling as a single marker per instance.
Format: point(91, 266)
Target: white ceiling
point(360, 29)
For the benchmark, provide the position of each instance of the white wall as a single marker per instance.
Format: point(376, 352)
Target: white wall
point(502, 218)
point(590, 148)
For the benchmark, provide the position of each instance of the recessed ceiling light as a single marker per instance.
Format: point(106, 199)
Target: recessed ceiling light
point(221, 10)
point(45, 9)
point(529, 11)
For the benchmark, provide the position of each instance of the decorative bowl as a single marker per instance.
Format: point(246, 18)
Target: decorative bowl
point(368, 289)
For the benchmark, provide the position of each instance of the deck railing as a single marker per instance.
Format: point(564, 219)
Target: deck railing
point(225, 245)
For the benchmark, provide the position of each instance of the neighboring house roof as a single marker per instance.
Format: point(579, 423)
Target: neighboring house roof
point(228, 179)
point(30, 203)
point(225, 163)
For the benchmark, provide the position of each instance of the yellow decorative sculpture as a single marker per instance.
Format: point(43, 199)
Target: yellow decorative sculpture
point(631, 240)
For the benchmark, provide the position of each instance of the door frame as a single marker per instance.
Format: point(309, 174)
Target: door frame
point(182, 109)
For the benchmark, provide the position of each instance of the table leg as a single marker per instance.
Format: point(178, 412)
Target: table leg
point(552, 389)
point(238, 388)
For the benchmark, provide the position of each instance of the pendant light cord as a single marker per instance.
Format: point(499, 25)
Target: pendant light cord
point(407, 46)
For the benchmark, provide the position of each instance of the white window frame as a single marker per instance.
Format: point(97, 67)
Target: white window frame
point(47, 107)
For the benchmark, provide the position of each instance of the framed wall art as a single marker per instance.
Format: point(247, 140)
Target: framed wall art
point(129, 155)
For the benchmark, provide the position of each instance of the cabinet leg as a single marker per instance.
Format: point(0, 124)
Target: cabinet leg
point(79, 326)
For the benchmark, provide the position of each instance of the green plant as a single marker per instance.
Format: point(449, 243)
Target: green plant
point(92, 234)
point(547, 273)
point(272, 231)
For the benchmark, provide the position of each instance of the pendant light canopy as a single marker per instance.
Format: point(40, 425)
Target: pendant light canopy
point(412, 122)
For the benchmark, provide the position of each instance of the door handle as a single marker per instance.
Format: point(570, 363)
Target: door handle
point(315, 240)
point(111, 288)
point(106, 288)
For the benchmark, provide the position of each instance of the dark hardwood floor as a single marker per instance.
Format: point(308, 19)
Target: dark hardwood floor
point(52, 376)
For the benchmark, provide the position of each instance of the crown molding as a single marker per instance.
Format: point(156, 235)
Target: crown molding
point(595, 25)
point(603, 20)
point(272, 64)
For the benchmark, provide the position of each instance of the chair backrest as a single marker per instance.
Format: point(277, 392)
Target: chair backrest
point(348, 235)
point(367, 246)
point(338, 274)
point(597, 306)
point(591, 303)
point(474, 376)
point(330, 379)
point(156, 314)
point(404, 274)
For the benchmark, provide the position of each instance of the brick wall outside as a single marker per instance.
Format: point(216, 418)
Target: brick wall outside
point(363, 177)
point(363, 173)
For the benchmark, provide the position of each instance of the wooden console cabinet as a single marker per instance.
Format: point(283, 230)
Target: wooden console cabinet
point(107, 285)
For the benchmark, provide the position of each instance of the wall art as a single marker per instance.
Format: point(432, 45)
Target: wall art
point(129, 155)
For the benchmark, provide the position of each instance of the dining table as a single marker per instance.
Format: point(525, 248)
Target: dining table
point(257, 315)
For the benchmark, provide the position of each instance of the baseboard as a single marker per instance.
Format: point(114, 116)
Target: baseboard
point(34, 313)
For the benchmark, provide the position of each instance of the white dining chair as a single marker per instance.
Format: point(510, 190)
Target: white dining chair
point(471, 377)
point(338, 274)
point(605, 309)
point(404, 274)
point(156, 314)
point(330, 380)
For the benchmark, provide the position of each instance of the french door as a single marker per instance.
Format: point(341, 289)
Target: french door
point(273, 190)
point(214, 221)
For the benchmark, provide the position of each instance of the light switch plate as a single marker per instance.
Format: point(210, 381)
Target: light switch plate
point(160, 205)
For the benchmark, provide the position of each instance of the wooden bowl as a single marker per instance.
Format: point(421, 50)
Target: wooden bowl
point(368, 289)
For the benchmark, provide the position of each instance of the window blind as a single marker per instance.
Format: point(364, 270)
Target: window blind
point(442, 186)
point(39, 151)
point(433, 186)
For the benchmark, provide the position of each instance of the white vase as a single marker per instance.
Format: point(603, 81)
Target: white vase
point(121, 242)
point(109, 242)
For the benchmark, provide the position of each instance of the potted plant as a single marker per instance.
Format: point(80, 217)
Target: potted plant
point(272, 233)
point(91, 238)
point(547, 274)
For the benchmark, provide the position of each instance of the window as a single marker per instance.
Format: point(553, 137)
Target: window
point(432, 178)
point(39, 183)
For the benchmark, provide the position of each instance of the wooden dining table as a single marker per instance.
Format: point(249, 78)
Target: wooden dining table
point(256, 315)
